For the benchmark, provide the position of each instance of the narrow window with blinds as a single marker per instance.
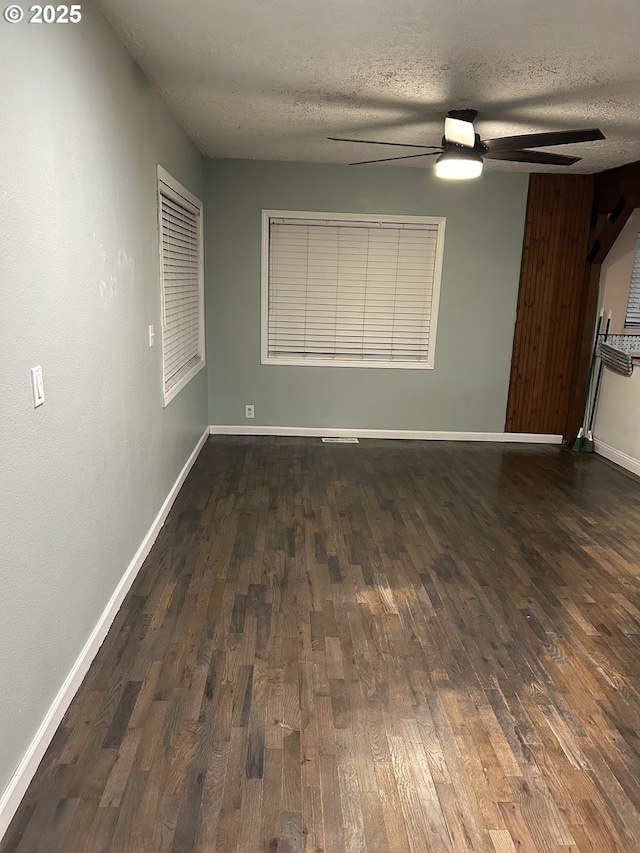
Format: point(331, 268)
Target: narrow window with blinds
point(180, 225)
point(349, 290)
point(632, 316)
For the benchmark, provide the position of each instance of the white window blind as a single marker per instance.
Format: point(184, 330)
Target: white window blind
point(352, 292)
point(632, 317)
point(180, 216)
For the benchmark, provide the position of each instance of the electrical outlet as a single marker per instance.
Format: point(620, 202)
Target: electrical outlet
point(249, 411)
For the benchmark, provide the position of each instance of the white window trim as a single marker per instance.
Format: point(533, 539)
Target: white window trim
point(632, 327)
point(267, 215)
point(174, 189)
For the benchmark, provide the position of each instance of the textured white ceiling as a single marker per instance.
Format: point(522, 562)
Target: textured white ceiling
point(271, 79)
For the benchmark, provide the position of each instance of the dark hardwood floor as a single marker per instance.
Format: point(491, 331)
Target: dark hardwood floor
point(390, 647)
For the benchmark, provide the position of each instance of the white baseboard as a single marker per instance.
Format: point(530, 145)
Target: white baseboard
point(420, 435)
point(617, 456)
point(20, 780)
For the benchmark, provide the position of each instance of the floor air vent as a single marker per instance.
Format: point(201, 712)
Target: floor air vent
point(341, 440)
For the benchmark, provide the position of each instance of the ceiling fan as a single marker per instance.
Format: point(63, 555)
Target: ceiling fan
point(462, 152)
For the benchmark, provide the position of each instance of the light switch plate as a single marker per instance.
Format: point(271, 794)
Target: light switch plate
point(152, 335)
point(37, 386)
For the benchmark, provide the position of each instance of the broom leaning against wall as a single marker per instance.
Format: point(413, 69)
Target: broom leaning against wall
point(588, 442)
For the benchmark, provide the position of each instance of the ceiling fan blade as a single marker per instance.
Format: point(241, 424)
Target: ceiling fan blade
point(532, 157)
point(387, 159)
point(542, 140)
point(377, 142)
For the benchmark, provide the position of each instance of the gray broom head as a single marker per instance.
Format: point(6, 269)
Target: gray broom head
point(616, 359)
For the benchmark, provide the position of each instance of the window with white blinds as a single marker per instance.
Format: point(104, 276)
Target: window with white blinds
point(349, 290)
point(632, 317)
point(180, 223)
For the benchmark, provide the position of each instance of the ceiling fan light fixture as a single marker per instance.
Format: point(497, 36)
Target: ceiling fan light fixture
point(458, 165)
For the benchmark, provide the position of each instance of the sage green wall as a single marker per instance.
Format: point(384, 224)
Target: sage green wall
point(467, 390)
point(82, 477)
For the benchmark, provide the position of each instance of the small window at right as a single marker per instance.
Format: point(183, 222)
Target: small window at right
point(632, 316)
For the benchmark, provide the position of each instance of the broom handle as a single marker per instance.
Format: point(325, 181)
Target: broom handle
point(591, 366)
point(592, 416)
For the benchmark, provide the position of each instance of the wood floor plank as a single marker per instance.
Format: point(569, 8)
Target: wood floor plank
point(389, 647)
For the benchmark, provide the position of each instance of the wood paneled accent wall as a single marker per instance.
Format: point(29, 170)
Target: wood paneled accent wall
point(554, 257)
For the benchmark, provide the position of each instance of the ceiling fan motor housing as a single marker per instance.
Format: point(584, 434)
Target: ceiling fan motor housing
point(479, 147)
point(463, 115)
